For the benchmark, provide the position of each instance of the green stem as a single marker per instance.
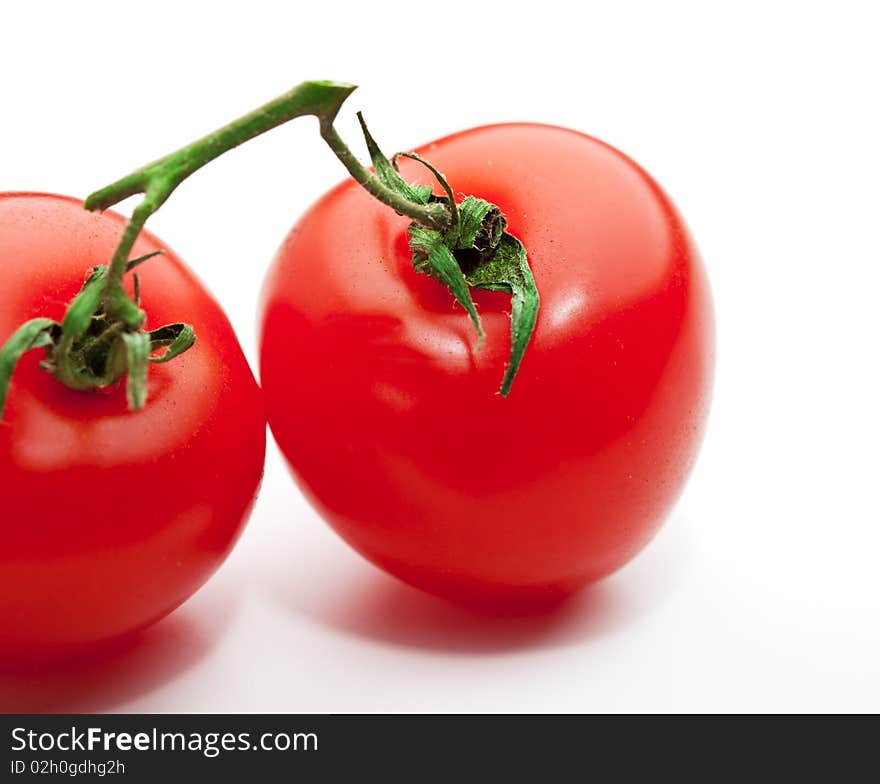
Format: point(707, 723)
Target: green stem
point(436, 216)
point(158, 180)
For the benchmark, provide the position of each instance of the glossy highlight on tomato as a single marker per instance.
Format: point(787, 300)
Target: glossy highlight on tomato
point(110, 518)
point(388, 413)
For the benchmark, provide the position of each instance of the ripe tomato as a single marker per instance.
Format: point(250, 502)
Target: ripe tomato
point(388, 412)
point(111, 518)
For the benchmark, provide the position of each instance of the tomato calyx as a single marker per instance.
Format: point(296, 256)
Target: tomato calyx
point(99, 341)
point(473, 250)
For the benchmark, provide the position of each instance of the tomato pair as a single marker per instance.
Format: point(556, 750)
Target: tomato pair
point(379, 392)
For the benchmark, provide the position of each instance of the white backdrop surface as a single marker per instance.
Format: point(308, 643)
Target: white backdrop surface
point(762, 591)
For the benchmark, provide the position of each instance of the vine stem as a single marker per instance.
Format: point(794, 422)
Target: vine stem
point(157, 180)
point(102, 337)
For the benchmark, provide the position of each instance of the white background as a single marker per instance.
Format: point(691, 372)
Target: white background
point(762, 592)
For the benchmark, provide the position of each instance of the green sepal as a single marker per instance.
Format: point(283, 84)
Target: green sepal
point(387, 174)
point(117, 303)
point(137, 356)
point(175, 338)
point(431, 256)
point(130, 265)
point(438, 175)
point(507, 270)
point(81, 311)
point(35, 333)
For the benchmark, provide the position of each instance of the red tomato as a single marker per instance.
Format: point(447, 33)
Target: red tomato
point(111, 518)
point(389, 414)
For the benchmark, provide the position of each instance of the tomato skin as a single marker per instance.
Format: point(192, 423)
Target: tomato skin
point(111, 518)
point(389, 415)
